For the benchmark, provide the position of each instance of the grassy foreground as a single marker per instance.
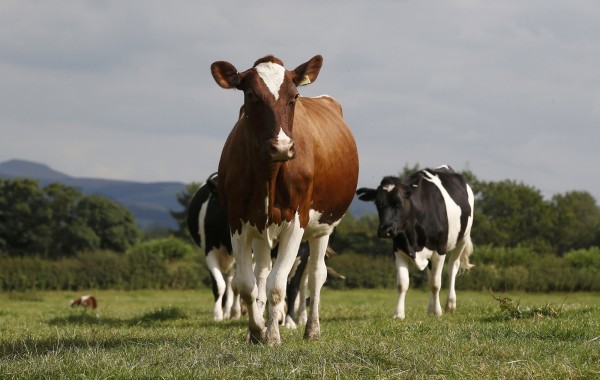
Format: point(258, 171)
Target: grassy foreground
point(170, 334)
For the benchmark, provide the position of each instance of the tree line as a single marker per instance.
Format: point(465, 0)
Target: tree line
point(54, 237)
point(59, 221)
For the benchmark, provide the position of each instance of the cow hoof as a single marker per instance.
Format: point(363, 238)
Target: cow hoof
point(289, 323)
point(399, 316)
point(312, 335)
point(312, 330)
point(256, 337)
point(273, 341)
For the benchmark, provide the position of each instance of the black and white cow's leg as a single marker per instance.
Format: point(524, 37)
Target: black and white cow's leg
point(246, 284)
point(289, 242)
point(403, 281)
point(434, 276)
point(317, 274)
point(212, 262)
point(459, 260)
point(453, 267)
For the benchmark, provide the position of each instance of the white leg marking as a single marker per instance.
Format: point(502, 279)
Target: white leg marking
point(301, 299)
point(246, 283)
point(262, 267)
point(289, 242)
point(435, 283)
point(403, 280)
point(212, 263)
point(317, 274)
point(453, 267)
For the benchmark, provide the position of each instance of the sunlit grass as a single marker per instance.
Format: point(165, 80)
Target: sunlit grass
point(154, 334)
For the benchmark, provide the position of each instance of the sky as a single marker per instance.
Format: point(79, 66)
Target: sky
point(122, 89)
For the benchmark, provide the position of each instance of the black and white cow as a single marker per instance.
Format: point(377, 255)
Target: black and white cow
point(209, 228)
point(427, 215)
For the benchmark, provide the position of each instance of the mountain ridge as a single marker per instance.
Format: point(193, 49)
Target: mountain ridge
point(149, 202)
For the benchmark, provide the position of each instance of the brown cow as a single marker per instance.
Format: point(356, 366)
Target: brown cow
point(288, 172)
point(86, 301)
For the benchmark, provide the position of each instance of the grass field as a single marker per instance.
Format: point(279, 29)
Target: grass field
point(170, 334)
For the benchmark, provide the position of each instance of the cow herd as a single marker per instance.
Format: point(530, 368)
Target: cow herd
point(287, 175)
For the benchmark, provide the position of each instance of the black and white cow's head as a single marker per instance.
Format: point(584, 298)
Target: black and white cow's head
point(392, 199)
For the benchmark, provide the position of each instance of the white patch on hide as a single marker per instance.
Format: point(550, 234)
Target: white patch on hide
point(453, 211)
point(272, 75)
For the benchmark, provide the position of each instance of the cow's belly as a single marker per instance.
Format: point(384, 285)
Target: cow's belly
point(316, 228)
point(272, 232)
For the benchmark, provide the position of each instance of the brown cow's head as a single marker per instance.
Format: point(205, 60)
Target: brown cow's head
point(270, 93)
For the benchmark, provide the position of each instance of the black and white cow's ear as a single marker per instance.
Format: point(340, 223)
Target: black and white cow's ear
point(225, 74)
point(366, 194)
point(211, 183)
point(307, 72)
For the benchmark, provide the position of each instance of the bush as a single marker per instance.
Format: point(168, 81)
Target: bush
point(174, 264)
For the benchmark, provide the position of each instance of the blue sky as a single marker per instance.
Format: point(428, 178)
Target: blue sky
point(122, 89)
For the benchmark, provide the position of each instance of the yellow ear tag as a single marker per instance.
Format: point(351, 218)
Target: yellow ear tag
point(304, 81)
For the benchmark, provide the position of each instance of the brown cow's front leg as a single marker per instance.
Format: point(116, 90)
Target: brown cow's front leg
point(289, 243)
point(246, 284)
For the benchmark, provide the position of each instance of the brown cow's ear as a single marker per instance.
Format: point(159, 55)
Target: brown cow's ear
point(225, 74)
point(307, 72)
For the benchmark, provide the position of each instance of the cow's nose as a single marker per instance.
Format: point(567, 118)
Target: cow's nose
point(282, 150)
point(385, 232)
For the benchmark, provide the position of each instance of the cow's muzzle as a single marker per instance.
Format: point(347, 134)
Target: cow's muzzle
point(386, 232)
point(282, 150)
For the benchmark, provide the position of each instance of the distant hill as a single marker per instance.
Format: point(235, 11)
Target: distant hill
point(149, 203)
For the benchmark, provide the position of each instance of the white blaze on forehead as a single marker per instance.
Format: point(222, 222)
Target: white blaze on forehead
point(272, 74)
point(389, 187)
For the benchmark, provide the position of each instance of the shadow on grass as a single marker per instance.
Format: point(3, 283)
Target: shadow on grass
point(148, 318)
point(33, 347)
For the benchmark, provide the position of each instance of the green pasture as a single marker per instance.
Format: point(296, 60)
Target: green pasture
point(170, 334)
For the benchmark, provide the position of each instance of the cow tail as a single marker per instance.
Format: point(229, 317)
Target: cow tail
point(465, 265)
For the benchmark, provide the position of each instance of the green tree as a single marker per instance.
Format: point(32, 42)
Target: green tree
point(509, 213)
point(184, 198)
point(59, 221)
point(112, 223)
point(69, 232)
point(24, 217)
point(577, 221)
